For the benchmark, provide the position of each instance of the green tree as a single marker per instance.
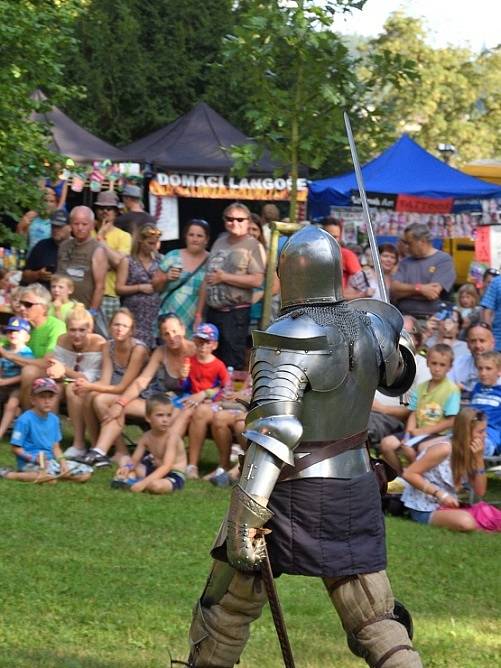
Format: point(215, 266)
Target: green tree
point(454, 96)
point(142, 64)
point(291, 78)
point(33, 35)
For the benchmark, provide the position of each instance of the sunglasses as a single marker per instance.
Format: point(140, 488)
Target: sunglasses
point(107, 208)
point(479, 417)
point(150, 232)
point(482, 324)
point(78, 360)
point(235, 219)
point(26, 304)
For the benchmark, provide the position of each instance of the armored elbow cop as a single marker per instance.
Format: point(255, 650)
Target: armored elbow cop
point(276, 428)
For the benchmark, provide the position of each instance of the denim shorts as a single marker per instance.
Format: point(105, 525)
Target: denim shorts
point(420, 516)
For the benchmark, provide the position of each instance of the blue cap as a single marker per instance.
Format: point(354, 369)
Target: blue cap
point(18, 325)
point(206, 331)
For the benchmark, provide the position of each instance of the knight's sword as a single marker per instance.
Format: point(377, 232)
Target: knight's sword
point(365, 211)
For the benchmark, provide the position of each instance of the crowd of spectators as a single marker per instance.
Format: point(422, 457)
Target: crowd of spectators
point(108, 331)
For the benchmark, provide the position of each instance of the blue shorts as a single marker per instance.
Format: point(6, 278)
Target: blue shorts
point(176, 478)
point(420, 516)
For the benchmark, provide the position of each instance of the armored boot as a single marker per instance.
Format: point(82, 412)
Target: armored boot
point(366, 607)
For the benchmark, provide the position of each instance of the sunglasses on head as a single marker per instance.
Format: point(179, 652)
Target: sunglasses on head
point(199, 221)
point(479, 417)
point(235, 219)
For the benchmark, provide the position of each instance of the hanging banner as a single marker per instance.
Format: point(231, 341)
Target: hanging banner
point(213, 186)
point(413, 204)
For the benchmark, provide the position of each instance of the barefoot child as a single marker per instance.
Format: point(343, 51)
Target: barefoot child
point(18, 335)
point(36, 441)
point(158, 463)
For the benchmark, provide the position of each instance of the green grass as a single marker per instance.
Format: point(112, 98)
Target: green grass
point(99, 578)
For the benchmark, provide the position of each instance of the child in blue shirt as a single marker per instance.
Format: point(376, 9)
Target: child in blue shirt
point(36, 441)
point(18, 335)
point(486, 397)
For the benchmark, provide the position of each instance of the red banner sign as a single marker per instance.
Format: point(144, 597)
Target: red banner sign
point(413, 204)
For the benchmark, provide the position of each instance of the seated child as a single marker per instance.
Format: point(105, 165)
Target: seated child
point(158, 463)
point(486, 397)
point(18, 335)
point(61, 289)
point(207, 377)
point(434, 405)
point(36, 441)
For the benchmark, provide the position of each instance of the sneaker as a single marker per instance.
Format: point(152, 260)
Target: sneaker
point(214, 473)
point(96, 459)
point(4, 472)
point(236, 451)
point(192, 472)
point(123, 483)
point(73, 452)
point(221, 480)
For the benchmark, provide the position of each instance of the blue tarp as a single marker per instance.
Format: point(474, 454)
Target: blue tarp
point(405, 168)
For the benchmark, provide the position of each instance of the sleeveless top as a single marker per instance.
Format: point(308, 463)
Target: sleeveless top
point(75, 260)
point(162, 382)
point(440, 476)
point(119, 371)
point(88, 363)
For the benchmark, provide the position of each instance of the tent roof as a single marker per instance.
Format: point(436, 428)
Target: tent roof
point(70, 139)
point(404, 168)
point(489, 170)
point(199, 141)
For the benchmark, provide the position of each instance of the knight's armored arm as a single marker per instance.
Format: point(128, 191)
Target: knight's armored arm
point(397, 364)
point(274, 429)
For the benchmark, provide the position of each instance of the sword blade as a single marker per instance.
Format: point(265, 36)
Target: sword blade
point(276, 611)
point(365, 210)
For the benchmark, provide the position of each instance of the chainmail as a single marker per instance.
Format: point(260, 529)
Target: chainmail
point(347, 320)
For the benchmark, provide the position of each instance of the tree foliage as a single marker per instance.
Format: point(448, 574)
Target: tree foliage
point(453, 97)
point(33, 35)
point(291, 77)
point(143, 63)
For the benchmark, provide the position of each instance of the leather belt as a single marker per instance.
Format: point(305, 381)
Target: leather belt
point(317, 451)
point(346, 465)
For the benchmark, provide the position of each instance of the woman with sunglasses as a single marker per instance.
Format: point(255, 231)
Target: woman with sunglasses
point(124, 357)
point(235, 266)
point(440, 472)
point(182, 272)
point(164, 373)
point(78, 354)
point(134, 282)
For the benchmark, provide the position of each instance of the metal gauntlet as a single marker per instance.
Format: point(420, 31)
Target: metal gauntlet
point(245, 552)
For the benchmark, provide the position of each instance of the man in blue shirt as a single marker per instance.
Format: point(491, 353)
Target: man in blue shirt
point(491, 303)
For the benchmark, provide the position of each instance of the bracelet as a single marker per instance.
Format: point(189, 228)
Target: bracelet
point(129, 466)
point(478, 471)
point(121, 402)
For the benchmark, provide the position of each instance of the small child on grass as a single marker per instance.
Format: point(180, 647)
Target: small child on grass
point(18, 335)
point(434, 405)
point(61, 289)
point(158, 463)
point(486, 397)
point(36, 442)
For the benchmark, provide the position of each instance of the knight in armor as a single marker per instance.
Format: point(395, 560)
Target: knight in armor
point(307, 475)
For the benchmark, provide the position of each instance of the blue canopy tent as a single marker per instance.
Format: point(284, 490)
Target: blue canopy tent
point(405, 168)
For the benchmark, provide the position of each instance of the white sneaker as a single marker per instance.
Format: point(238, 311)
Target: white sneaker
point(75, 452)
point(236, 450)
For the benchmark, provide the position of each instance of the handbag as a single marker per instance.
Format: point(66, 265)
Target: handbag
point(487, 516)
